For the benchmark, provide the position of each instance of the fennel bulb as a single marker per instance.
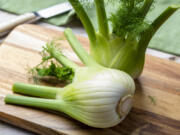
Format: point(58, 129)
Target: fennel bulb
point(122, 37)
point(98, 97)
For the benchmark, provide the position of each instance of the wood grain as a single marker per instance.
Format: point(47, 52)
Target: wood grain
point(156, 108)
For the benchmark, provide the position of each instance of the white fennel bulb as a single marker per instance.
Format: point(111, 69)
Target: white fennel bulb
point(102, 101)
point(98, 96)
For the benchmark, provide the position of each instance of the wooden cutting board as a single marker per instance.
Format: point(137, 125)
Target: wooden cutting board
point(156, 108)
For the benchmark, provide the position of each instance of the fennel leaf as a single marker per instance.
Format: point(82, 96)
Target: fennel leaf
point(61, 73)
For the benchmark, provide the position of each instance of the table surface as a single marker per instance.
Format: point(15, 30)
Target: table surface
point(6, 129)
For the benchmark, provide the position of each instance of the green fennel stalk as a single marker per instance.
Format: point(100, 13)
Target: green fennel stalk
point(124, 47)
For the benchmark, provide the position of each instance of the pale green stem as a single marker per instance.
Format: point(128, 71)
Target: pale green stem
point(114, 61)
point(102, 18)
point(61, 58)
point(122, 52)
point(36, 90)
point(157, 23)
point(85, 20)
point(79, 50)
point(51, 104)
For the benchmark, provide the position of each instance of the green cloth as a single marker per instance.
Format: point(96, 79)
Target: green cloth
point(24, 6)
point(167, 39)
